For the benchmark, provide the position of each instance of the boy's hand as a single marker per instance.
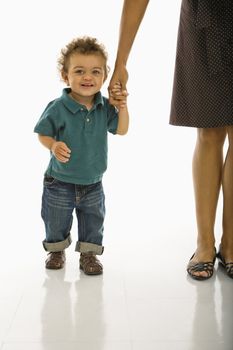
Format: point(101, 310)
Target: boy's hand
point(61, 151)
point(118, 97)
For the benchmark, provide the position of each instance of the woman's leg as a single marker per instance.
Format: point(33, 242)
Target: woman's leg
point(207, 177)
point(227, 237)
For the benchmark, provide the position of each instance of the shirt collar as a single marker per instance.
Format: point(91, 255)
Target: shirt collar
point(73, 106)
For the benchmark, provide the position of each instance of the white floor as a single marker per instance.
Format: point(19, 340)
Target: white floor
point(143, 301)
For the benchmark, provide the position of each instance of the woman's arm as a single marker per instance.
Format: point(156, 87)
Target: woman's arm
point(132, 15)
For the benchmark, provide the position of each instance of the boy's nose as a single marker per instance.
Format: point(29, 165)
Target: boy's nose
point(87, 76)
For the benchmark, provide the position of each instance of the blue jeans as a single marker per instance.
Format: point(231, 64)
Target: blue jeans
point(58, 203)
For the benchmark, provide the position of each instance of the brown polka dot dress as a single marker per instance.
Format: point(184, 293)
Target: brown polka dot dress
point(203, 80)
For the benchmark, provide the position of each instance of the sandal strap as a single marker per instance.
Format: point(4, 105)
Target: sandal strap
point(229, 268)
point(207, 266)
point(227, 265)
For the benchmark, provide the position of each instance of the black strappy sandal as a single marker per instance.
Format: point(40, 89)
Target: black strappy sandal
point(227, 266)
point(200, 267)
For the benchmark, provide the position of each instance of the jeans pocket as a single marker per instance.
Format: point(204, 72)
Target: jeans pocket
point(49, 180)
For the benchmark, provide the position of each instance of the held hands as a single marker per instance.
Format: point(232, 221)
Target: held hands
point(61, 151)
point(118, 96)
point(117, 86)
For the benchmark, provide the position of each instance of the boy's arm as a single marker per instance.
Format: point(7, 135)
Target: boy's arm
point(123, 121)
point(46, 141)
point(121, 104)
point(58, 148)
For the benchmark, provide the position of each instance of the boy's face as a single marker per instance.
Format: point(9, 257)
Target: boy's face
point(85, 74)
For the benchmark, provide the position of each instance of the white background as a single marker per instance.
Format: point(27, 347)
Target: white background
point(148, 183)
point(144, 299)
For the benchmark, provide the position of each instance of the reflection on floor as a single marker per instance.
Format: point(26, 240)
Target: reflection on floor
point(141, 302)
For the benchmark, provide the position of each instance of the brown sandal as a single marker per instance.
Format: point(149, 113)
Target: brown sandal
point(227, 266)
point(55, 260)
point(207, 267)
point(90, 264)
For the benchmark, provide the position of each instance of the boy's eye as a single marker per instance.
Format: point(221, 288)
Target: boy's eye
point(79, 71)
point(96, 72)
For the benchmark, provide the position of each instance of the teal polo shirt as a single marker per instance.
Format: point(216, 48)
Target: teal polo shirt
point(84, 132)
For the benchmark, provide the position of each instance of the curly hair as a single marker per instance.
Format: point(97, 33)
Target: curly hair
point(84, 45)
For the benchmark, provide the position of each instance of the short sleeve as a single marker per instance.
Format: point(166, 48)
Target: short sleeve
point(112, 119)
point(48, 122)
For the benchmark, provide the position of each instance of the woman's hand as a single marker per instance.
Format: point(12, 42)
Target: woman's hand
point(117, 87)
point(120, 75)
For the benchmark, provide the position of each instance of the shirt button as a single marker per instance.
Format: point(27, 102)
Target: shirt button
point(88, 119)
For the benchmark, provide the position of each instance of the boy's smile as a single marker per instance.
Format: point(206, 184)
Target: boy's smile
point(85, 76)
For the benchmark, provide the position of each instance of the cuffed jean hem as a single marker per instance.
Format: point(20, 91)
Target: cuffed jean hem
point(85, 247)
point(57, 246)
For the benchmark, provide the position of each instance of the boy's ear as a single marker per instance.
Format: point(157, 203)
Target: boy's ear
point(107, 70)
point(65, 77)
